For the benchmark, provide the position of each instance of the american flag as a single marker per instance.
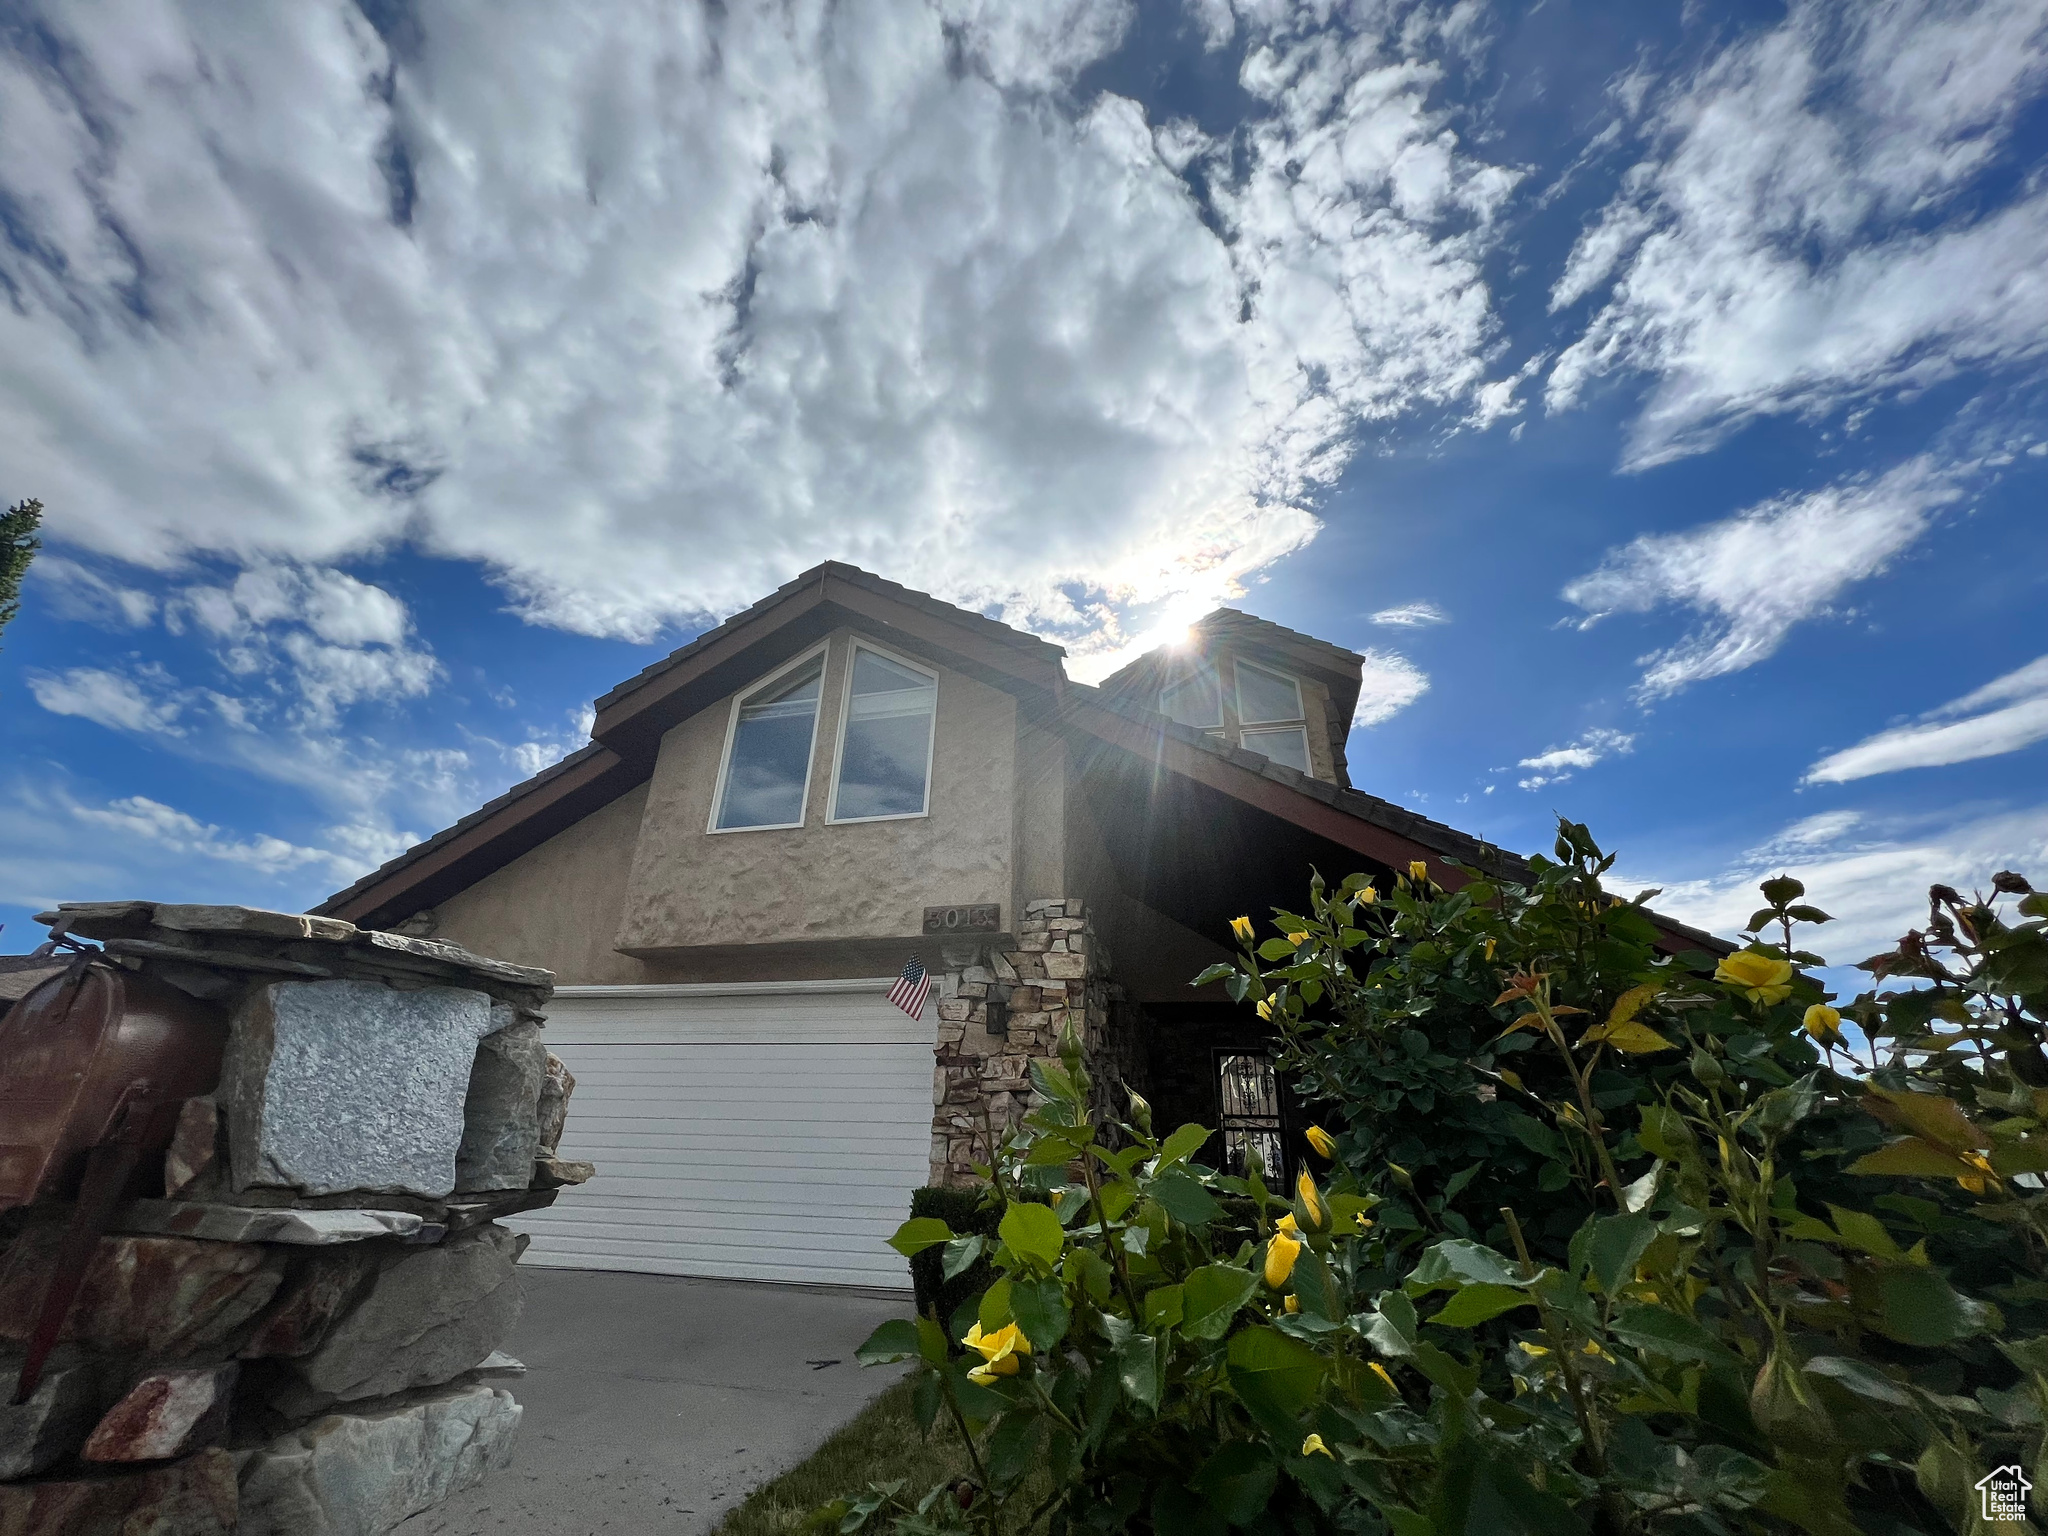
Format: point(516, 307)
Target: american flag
point(911, 988)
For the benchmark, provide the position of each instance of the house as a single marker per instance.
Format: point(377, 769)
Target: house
point(769, 822)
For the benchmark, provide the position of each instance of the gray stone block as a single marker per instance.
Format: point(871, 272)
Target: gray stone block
point(164, 1415)
point(554, 1101)
point(269, 1223)
point(55, 1420)
point(332, 1086)
point(361, 1474)
point(428, 1316)
point(501, 1113)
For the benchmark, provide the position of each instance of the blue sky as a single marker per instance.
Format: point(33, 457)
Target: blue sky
point(1655, 394)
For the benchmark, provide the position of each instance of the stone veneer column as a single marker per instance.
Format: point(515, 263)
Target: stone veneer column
point(981, 1082)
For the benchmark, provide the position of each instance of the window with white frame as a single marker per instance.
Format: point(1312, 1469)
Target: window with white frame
point(1196, 700)
point(1270, 717)
point(767, 767)
point(885, 739)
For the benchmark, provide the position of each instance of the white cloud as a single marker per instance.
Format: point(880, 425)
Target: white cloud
point(1805, 227)
point(1391, 683)
point(1871, 877)
point(112, 699)
point(1753, 576)
point(1411, 616)
point(75, 592)
point(57, 844)
point(1559, 763)
point(1958, 732)
point(544, 749)
point(647, 308)
point(139, 816)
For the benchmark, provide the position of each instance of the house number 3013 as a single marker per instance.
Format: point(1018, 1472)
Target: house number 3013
point(979, 917)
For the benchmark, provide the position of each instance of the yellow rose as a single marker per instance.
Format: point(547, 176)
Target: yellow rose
point(1366, 896)
point(1286, 1224)
point(1299, 939)
point(1292, 1304)
point(1381, 1372)
point(1281, 1252)
point(1759, 977)
point(1266, 1008)
point(1313, 1446)
point(1324, 1143)
point(1362, 1221)
point(1242, 927)
point(1823, 1022)
point(1417, 871)
point(1489, 948)
point(1305, 1187)
point(1000, 1351)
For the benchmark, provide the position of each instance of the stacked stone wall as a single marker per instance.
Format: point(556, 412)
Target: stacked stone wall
point(294, 1328)
point(1056, 976)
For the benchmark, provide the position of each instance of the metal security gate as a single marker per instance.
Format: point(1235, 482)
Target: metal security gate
point(747, 1131)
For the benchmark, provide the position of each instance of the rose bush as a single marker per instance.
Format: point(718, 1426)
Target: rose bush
point(1609, 1239)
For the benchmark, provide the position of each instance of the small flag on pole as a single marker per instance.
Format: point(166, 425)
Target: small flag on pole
point(911, 988)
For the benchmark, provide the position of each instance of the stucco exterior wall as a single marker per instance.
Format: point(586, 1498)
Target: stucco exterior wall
point(557, 905)
point(690, 887)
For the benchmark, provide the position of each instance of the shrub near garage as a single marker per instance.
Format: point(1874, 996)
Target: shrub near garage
point(1686, 1266)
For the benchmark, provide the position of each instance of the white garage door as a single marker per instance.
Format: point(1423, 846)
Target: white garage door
point(757, 1131)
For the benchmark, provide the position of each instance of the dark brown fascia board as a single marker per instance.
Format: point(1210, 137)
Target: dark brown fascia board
point(632, 717)
point(519, 820)
point(1367, 825)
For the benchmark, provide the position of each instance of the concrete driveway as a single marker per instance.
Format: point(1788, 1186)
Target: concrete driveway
point(657, 1404)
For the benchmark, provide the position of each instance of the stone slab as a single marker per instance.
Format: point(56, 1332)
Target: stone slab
point(17, 984)
point(361, 1474)
point(320, 1286)
point(186, 917)
point(269, 1224)
point(334, 1086)
point(555, 1172)
point(501, 1112)
point(455, 955)
point(164, 1296)
point(165, 1415)
point(193, 1497)
point(192, 1162)
point(428, 1315)
point(57, 1417)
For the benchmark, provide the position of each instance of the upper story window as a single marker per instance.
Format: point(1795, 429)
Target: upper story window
point(1195, 701)
point(767, 769)
point(885, 739)
point(1270, 717)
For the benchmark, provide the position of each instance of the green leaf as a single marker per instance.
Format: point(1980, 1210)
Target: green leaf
point(1805, 914)
point(1276, 949)
point(994, 1311)
point(1214, 973)
point(960, 1256)
point(1317, 1288)
point(1462, 1259)
point(1911, 1157)
point(1862, 1230)
point(1535, 1135)
point(1615, 1247)
point(931, 1341)
point(1211, 1297)
point(1182, 1144)
point(1276, 1378)
point(1185, 1199)
point(1013, 1448)
point(1782, 889)
point(920, 1233)
point(1041, 1311)
point(1391, 1329)
point(1664, 1133)
point(1477, 1304)
point(894, 1340)
point(1864, 1380)
point(1915, 1305)
point(1163, 1308)
point(1033, 1233)
point(1667, 1334)
point(1139, 1368)
point(1182, 1511)
point(1238, 1480)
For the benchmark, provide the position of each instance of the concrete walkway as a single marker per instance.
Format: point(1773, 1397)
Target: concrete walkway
point(657, 1404)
